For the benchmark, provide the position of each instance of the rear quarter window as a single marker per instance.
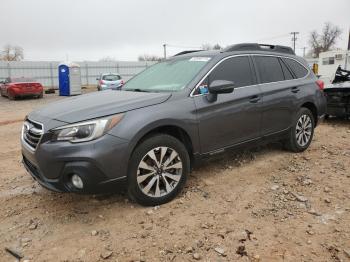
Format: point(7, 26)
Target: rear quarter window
point(287, 74)
point(298, 70)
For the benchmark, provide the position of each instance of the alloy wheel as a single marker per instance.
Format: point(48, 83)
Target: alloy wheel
point(303, 130)
point(159, 172)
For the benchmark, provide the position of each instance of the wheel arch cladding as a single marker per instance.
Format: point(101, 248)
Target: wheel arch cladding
point(174, 131)
point(311, 106)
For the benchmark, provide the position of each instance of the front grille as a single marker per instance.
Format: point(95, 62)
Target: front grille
point(32, 133)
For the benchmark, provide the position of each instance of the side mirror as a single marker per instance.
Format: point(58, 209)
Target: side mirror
point(221, 87)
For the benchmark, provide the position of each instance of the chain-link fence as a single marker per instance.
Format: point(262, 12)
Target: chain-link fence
point(47, 72)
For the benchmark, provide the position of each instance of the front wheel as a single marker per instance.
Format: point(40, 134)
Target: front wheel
point(158, 170)
point(11, 96)
point(302, 131)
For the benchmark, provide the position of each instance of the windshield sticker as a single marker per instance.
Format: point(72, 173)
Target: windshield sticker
point(200, 59)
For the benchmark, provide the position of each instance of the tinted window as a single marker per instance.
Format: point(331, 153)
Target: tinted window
point(287, 74)
point(236, 69)
point(298, 69)
point(111, 77)
point(269, 68)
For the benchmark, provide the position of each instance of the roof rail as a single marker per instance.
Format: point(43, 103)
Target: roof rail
point(259, 47)
point(187, 52)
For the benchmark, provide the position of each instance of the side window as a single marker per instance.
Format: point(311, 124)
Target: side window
point(269, 68)
point(298, 69)
point(236, 69)
point(287, 74)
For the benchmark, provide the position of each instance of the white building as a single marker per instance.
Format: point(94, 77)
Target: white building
point(329, 61)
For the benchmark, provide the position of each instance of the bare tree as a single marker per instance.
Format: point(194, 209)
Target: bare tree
point(217, 47)
point(12, 53)
point(326, 40)
point(211, 47)
point(149, 58)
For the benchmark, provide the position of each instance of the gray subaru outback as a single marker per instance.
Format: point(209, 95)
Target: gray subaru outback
point(169, 117)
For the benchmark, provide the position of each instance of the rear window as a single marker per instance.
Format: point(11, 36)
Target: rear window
point(299, 70)
point(269, 68)
point(111, 77)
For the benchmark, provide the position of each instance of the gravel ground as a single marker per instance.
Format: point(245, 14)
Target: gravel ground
point(264, 204)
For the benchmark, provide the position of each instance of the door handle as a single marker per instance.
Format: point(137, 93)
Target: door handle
point(254, 99)
point(295, 89)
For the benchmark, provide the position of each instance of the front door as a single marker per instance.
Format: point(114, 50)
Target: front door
point(235, 117)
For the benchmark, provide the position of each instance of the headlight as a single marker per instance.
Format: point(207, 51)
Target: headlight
point(85, 131)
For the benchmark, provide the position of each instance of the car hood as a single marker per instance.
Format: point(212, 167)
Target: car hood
point(98, 104)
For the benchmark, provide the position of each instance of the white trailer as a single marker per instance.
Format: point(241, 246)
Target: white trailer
point(329, 61)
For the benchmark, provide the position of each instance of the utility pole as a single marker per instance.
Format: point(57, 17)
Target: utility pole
point(294, 38)
point(164, 46)
point(304, 51)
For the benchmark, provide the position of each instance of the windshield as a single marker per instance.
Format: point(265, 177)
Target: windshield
point(167, 76)
point(111, 77)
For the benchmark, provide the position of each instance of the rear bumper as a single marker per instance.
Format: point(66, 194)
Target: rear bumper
point(340, 110)
point(110, 88)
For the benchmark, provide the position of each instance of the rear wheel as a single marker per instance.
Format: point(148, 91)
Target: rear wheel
point(41, 95)
point(158, 170)
point(301, 134)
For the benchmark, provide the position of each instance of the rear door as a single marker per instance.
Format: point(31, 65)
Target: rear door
point(233, 118)
point(277, 85)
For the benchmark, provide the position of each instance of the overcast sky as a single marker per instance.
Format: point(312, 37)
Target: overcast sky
point(93, 29)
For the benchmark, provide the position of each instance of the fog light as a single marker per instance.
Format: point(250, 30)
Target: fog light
point(77, 182)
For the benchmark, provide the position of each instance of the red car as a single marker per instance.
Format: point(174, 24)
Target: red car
point(21, 87)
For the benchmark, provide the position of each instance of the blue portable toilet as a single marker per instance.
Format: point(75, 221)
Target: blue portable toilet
point(69, 79)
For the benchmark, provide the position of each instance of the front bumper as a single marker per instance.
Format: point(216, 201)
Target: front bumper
point(101, 164)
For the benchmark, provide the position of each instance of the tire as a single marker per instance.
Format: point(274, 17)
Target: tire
point(41, 95)
point(152, 183)
point(10, 96)
point(302, 131)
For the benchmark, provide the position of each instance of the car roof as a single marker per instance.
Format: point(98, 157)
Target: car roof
point(245, 48)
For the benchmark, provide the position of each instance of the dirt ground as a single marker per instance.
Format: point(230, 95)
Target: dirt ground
point(264, 204)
